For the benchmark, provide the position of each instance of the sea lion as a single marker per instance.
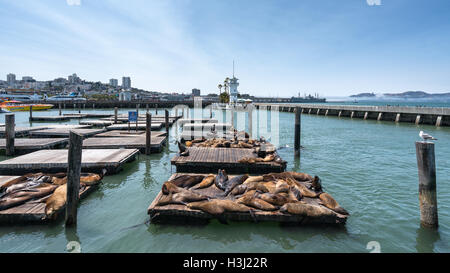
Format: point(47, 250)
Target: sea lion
point(169, 187)
point(275, 176)
point(295, 193)
point(187, 181)
point(271, 186)
point(20, 197)
point(90, 179)
point(181, 147)
point(300, 176)
point(59, 180)
point(303, 189)
point(239, 189)
point(232, 183)
point(281, 186)
point(273, 198)
point(254, 179)
point(269, 158)
point(252, 201)
point(206, 182)
point(182, 197)
point(56, 201)
point(316, 184)
point(219, 206)
point(329, 202)
point(221, 179)
point(301, 208)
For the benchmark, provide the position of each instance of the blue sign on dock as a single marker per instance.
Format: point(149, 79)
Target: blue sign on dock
point(132, 116)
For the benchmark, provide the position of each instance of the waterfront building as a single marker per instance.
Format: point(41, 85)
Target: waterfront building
point(114, 82)
point(27, 79)
point(11, 79)
point(233, 89)
point(125, 96)
point(126, 82)
point(195, 92)
point(74, 79)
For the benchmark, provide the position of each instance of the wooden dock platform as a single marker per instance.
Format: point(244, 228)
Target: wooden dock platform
point(97, 123)
point(49, 118)
point(210, 160)
point(140, 126)
point(138, 142)
point(34, 212)
point(63, 132)
point(53, 161)
point(21, 131)
point(183, 121)
point(28, 145)
point(177, 213)
point(206, 127)
point(132, 133)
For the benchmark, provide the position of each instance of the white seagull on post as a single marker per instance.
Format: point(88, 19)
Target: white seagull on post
point(426, 136)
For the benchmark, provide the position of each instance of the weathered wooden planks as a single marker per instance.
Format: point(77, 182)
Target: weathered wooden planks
point(26, 145)
point(137, 142)
point(207, 160)
point(22, 131)
point(132, 133)
point(52, 161)
point(98, 123)
point(140, 126)
point(7, 178)
point(49, 118)
point(64, 132)
point(180, 213)
point(197, 120)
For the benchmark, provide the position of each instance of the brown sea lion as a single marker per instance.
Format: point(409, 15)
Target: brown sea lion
point(300, 176)
point(207, 206)
point(56, 201)
point(329, 202)
point(240, 189)
point(182, 197)
point(254, 179)
point(269, 158)
point(275, 176)
point(281, 186)
point(316, 185)
point(90, 179)
point(221, 179)
point(187, 181)
point(59, 180)
point(206, 182)
point(169, 187)
point(273, 198)
point(301, 208)
point(235, 181)
point(303, 189)
point(252, 201)
point(21, 197)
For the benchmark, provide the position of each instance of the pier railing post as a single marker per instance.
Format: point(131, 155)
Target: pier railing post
point(31, 113)
point(427, 184)
point(297, 130)
point(10, 133)
point(148, 133)
point(73, 177)
point(115, 115)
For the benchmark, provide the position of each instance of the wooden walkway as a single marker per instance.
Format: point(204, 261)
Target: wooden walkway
point(34, 212)
point(138, 142)
point(21, 131)
point(27, 145)
point(210, 160)
point(132, 133)
point(206, 127)
point(63, 132)
point(140, 126)
point(175, 213)
point(53, 161)
point(97, 123)
point(49, 118)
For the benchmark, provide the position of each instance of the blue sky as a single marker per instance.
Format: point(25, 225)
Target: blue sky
point(332, 47)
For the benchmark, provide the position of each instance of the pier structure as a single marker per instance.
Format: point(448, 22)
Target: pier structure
point(438, 116)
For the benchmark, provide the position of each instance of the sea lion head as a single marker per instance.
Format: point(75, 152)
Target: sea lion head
point(169, 187)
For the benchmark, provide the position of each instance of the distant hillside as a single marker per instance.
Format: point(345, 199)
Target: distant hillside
point(417, 95)
point(363, 95)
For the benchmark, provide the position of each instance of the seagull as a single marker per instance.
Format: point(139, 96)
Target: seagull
point(426, 136)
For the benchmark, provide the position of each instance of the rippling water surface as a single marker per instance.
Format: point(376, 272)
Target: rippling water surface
point(368, 166)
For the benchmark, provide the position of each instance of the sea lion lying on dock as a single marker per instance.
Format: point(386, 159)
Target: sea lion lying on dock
point(221, 179)
point(56, 201)
point(254, 179)
point(329, 202)
point(301, 208)
point(187, 181)
point(219, 206)
point(182, 197)
point(274, 198)
point(233, 182)
point(20, 197)
point(250, 200)
point(206, 182)
point(302, 189)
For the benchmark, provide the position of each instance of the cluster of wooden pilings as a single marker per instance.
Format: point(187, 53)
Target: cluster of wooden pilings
point(438, 116)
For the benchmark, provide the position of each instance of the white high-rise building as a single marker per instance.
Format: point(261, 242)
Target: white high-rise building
point(113, 82)
point(126, 82)
point(11, 79)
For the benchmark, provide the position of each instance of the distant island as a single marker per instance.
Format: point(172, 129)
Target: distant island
point(405, 95)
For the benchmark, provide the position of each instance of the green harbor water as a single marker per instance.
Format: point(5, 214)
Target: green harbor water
point(368, 166)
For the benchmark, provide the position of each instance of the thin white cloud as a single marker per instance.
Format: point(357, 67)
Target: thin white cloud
point(373, 2)
point(73, 2)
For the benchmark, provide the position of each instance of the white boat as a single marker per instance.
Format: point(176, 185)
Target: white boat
point(71, 97)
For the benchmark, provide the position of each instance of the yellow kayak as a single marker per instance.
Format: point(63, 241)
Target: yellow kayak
point(14, 106)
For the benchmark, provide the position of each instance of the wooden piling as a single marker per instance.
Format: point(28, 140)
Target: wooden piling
point(73, 177)
point(297, 130)
point(115, 115)
point(366, 115)
point(250, 121)
point(418, 117)
point(60, 112)
point(10, 133)
point(438, 121)
point(427, 184)
point(380, 116)
point(167, 122)
point(31, 113)
point(397, 117)
point(148, 133)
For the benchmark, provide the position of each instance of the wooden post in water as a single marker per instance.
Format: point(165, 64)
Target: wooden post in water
point(60, 112)
point(210, 112)
point(73, 177)
point(79, 108)
point(146, 108)
point(31, 113)
point(115, 114)
point(297, 130)
point(427, 184)
point(148, 133)
point(167, 123)
point(9, 133)
point(250, 121)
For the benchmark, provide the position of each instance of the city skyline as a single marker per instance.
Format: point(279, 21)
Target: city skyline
point(280, 48)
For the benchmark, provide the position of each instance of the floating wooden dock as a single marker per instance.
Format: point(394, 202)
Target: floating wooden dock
point(140, 126)
point(177, 213)
point(207, 127)
point(97, 123)
point(138, 142)
point(210, 160)
point(34, 212)
point(183, 121)
point(63, 132)
point(49, 118)
point(21, 131)
point(52, 161)
point(132, 133)
point(28, 145)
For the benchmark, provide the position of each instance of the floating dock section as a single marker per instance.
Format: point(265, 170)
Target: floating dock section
point(52, 161)
point(63, 132)
point(139, 142)
point(28, 145)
